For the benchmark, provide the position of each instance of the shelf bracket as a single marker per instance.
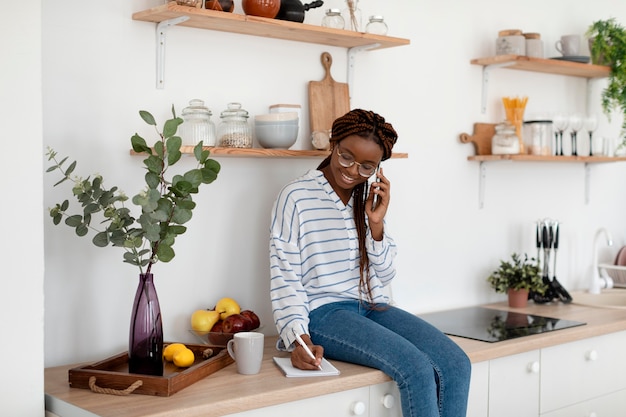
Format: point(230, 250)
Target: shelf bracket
point(161, 32)
point(587, 181)
point(352, 63)
point(482, 177)
point(485, 87)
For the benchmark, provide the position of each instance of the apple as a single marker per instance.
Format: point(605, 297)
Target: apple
point(227, 307)
point(256, 322)
point(236, 323)
point(217, 327)
point(204, 320)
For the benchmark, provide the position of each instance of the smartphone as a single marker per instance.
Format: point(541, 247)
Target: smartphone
point(375, 199)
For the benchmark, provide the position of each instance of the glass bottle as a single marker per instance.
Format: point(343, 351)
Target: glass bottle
point(197, 125)
point(505, 141)
point(376, 26)
point(145, 350)
point(333, 19)
point(352, 15)
point(234, 130)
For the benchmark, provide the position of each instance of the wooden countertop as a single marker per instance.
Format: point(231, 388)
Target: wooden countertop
point(226, 392)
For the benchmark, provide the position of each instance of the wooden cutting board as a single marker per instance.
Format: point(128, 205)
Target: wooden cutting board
point(328, 99)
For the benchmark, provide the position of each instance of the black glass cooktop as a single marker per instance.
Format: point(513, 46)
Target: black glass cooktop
point(489, 325)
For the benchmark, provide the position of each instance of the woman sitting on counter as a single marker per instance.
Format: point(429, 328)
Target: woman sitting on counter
point(331, 259)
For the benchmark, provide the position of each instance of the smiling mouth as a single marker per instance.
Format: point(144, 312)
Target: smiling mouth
point(348, 178)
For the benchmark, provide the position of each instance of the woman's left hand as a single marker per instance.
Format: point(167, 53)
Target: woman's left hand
point(377, 213)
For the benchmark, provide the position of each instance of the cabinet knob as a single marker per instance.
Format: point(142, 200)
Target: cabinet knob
point(358, 408)
point(534, 367)
point(592, 355)
point(389, 401)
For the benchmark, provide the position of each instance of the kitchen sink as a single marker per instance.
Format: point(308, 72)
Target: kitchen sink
point(612, 298)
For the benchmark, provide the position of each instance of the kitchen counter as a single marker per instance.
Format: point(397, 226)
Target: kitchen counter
point(226, 392)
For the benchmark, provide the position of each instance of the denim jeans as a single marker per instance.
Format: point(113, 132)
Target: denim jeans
point(431, 371)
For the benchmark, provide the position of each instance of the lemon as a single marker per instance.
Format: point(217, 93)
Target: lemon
point(184, 358)
point(171, 349)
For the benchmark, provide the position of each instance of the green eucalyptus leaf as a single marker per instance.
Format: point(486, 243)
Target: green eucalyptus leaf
point(70, 169)
point(170, 127)
point(82, 229)
point(147, 117)
point(154, 164)
point(139, 144)
point(101, 239)
point(181, 216)
point(152, 179)
point(159, 149)
point(165, 253)
point(74, 221)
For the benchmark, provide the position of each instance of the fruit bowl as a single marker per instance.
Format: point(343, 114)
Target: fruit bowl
point(219, 339)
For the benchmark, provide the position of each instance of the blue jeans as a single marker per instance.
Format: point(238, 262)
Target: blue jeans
point(431, 371)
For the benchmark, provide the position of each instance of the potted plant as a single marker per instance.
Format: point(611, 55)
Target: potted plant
point(166, 205)
point(517, 278)
point(607, 45)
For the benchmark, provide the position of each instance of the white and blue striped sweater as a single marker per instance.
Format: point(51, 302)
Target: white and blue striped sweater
point(314, 256)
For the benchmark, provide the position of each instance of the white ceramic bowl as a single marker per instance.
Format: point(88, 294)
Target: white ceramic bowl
point(276, 135)
point(276, 117)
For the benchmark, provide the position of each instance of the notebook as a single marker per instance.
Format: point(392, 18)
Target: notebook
point(291, 372)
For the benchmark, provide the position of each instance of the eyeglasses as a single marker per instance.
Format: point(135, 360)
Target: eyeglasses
point(347, 160)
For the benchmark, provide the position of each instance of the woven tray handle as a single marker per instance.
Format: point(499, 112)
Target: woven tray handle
point(93, 387)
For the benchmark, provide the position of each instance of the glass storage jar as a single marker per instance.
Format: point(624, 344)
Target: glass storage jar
point(333, 19)
point(505, 141)
point(197, 125)
point(538, 136)
point(376, 26)
point(352, 15)
point(234, 131)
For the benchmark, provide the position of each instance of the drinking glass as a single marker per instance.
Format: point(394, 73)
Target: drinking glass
point(560, 122)
point(591, 124)
point(575, 124)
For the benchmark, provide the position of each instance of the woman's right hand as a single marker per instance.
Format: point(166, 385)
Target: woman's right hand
point(300, 358)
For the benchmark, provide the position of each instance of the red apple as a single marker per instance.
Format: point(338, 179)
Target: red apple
point(217, 327)
point(236, 323)
point(256, 322)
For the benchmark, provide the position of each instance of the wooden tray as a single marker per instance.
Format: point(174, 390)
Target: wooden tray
point(112, 373)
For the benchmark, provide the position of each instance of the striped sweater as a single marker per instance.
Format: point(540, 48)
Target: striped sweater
point(314, 256)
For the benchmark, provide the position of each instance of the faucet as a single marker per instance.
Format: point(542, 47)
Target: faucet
point(598, 282)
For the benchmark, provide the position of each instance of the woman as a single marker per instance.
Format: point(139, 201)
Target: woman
point(330, 261)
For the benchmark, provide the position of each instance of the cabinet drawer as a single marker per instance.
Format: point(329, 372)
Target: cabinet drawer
point(340, 404)
point(385, 400)
point(611, 405)
point(478, 402)
point(581, 370)
point(514, 385)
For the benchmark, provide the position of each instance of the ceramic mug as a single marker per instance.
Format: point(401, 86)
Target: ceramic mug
point(568, 45)
point(246, 348)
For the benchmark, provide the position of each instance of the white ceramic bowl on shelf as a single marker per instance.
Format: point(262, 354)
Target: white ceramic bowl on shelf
point(276, 117)
point(278, 135)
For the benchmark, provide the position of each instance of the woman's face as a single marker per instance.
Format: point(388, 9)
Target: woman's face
point(365, 152)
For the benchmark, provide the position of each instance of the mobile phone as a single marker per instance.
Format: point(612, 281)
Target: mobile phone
point(375, 199)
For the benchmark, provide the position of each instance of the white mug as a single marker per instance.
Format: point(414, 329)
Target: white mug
point(246, 348)
point(568, 45)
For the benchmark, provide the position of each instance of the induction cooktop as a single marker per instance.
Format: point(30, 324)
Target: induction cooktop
point(490, 325)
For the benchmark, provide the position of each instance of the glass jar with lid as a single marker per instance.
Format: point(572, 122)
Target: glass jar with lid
point(376, 26)
point(234, 131)
point(333, 19)
point(197, 125)
point(505, 141)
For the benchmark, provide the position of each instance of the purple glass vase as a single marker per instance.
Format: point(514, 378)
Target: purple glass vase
point(145, 346)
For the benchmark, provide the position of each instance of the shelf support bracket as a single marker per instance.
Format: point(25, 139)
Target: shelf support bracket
point(161, 32)
point(485, 88)
point(482, 177)
point(587, 181)
point(352, 63)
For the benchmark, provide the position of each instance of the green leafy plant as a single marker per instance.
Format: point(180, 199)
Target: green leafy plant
point(166, 205)
point(607, 44)
point(517, 274)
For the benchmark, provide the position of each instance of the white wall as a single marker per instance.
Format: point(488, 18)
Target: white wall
point(21, 297)
point(99, 71)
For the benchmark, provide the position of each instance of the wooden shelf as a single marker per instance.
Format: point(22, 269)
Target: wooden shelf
point(549, 66)
point(266, 153)
point(540, 158)
point(268, 28)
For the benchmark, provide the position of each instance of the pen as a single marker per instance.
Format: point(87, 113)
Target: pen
point(306, 348)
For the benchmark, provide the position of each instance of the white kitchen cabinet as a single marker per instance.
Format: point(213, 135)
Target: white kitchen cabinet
point(583, 370)
point(381, 400)
point(478, 402)
point(514, 385)
point(611, 405)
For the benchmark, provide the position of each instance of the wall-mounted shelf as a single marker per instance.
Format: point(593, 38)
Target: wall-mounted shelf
point(266, 153)
point(587, 160)
point(173, 14)
point(547, 66)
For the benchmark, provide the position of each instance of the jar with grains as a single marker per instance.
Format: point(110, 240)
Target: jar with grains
point(505, 141)
point(197, 125)
point(234, 131)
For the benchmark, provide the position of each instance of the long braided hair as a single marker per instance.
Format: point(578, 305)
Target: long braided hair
point(369, 125)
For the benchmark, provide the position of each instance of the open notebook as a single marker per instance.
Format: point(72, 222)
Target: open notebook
point(288, 369)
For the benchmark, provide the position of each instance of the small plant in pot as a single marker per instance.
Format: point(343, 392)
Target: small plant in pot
point(607, 45)
point(517, 278)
